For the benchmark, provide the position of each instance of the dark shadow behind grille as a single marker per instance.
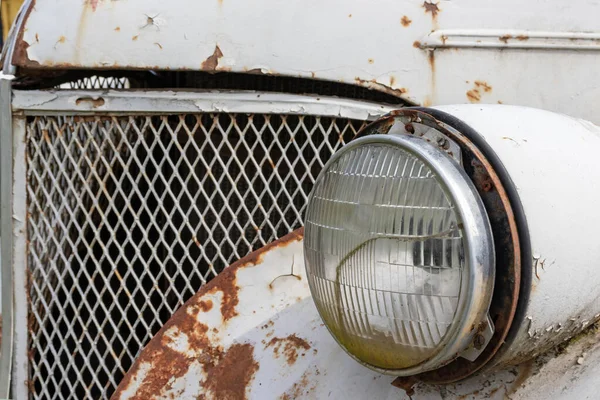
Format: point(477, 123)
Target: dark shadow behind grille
point(130, 215)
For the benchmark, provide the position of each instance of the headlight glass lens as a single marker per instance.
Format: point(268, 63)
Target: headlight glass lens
point(384, 250)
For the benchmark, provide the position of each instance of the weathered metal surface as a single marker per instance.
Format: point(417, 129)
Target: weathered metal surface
point(425, 52)
point(277, 347)
point(552, 161)
point(203, 349)
point(511, 39)
point(43, 102)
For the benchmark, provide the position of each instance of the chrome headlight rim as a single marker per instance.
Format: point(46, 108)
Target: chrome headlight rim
point(478, 283)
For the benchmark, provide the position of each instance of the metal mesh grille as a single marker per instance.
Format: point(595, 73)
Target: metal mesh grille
point(97, 82)
point(129, 215)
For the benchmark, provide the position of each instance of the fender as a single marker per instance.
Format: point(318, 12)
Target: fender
point(254, 332)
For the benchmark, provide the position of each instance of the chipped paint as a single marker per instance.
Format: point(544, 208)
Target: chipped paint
point(212, 62)
point(291, 347)
point(432, 8)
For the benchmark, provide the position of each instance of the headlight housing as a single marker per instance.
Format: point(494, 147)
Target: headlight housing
point(399, 254)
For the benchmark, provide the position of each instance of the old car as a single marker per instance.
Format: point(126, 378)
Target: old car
point(300, 199)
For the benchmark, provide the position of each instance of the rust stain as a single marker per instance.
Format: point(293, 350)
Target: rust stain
point(212, 62)
point(406, 383)
point(95, 103)
point(118, 29)
point(205, 305)
point(474, 96)
point(417, 44)
point(483, 85)
point(37, 38)
point(526, 370)
point(522, 37)
point(349, 15)
point(301, 388)
point(232, 375)
point(504, 38)
point(431, 8)
point(229, 288)
point(405, 21)
point(431, 60)
point(135, 37)
point(168, 364)
point(371, 61)
point(290, 347)
point(392, 81)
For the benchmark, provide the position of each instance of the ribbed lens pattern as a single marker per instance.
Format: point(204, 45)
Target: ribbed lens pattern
point(384, 253)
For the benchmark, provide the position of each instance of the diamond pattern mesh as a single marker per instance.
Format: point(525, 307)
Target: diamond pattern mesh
point(129, 215)
point(97, 82)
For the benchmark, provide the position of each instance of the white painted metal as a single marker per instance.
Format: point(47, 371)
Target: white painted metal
point(553, 161)
point(273, 305)
point(346, 41)
point(43, 102)
point(511, 39)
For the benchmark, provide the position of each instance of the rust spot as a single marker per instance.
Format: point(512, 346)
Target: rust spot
point(417, 44)
point(229, 288)
point(289, 347)
point(158, 44)
point(526, 370)
point(232, 375)
point(522, 37)
point(61, 39)
point(135, 37)
point(405, 383)
point(300, 389)
point(349, 15)
point(474, 96)
point(371, 61)
point(205, 305)
point(37, 38)
point(483, 85)
point(118, 29)
point(95, 103)
point(431, 8)
point(212, 62)
point(504, 38)
point(405, 21)
point(392, 80)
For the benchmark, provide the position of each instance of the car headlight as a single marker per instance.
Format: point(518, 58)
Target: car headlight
point(399, 254)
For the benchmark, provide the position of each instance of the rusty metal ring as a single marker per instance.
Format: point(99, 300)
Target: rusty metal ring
point(506, 239)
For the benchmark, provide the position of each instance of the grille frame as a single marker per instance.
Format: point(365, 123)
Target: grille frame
point(61, 103)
